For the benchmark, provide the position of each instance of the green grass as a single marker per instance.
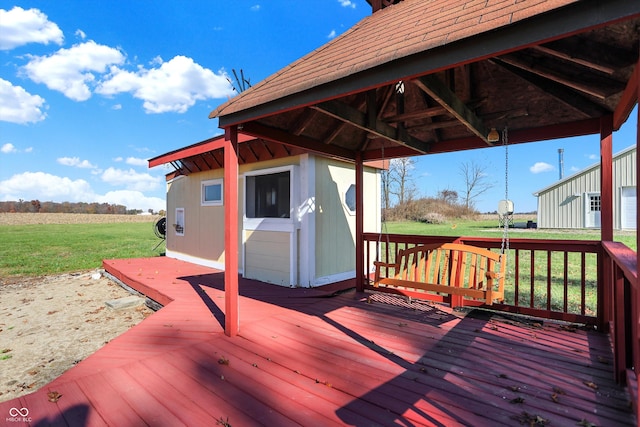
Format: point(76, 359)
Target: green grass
point(42, 249)
point(489, 228)
point(536, 286)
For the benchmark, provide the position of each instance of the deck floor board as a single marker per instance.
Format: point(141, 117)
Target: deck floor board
point(327, 357)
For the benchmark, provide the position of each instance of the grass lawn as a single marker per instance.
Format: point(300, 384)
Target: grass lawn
point(43, 249)
point(489, 228)
point(533, 286)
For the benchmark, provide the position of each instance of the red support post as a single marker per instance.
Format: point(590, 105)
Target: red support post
point(230, 197)
point(606, 178)
point(360, 267)
point(634, 293)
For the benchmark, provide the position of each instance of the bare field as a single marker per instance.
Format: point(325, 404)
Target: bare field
point(69, 218)
point(49, 324)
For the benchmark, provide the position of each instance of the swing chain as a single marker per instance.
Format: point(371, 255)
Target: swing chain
point(504, 248)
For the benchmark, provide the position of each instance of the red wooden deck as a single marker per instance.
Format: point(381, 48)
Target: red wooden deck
point(308, 357)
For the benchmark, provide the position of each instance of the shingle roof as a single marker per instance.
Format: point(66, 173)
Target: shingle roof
point(398, 31)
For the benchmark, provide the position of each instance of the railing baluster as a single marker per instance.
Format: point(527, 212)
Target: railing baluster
point(532, 280)
point(516, 278)
point(549, 280)
point(583, 284)
point(565, 275)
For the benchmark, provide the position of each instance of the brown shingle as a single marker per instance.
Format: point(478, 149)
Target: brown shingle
point(406, 28)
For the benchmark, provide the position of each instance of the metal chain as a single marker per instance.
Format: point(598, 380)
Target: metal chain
point(504, 248)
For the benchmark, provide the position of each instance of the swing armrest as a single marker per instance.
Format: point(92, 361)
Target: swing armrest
point(379, 266)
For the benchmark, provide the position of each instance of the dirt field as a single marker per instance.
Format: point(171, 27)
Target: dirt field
point(48, 324)
point(62, 218)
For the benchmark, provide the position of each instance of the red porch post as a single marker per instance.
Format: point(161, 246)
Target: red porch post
point(359, 223)
point(606, 178)
point(231, 315)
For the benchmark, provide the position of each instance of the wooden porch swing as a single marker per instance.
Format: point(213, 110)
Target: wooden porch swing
point(451, 268)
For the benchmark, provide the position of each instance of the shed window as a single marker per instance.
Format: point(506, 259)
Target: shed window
point(179, 225)
point(269, 196)
point(594, 203)
point(350, 199)
point(212, 193)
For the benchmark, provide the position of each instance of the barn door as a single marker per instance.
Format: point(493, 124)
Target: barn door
point(592, 210)
point(628, 208)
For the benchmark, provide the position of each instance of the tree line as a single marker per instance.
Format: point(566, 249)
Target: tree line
point(36, 206)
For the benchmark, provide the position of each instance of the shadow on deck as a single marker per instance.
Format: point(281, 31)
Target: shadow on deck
point(328, 356)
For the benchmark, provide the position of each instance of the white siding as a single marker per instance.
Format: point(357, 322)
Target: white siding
point(562, 204)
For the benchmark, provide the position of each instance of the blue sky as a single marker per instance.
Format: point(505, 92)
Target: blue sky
point(90, 90)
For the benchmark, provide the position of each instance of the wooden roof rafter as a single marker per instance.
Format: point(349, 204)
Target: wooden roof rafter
point(449, 101)
point(379, 128)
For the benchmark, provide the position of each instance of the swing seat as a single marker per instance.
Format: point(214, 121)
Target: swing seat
point(450, 269)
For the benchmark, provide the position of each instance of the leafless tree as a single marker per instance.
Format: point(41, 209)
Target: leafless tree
point(400, 179)
point(476, 182)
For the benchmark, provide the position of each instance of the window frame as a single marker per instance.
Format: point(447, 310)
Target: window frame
point(270, 223)
point(210, 183)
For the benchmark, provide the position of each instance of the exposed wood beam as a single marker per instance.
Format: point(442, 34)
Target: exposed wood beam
point(629, 99)
point(184, 166)
point(570, 56)
point(253, 152)
point(303, 121)
point(568, 97)
point(358, 119)
point(437, 125)
point(204, 159)
point(334, 132)
point(279, 136)
point(603, 57)
point(417, 115)
point(600, 89)
point(216, 159)
point(444, 96)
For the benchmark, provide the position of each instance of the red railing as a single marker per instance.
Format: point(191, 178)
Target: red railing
point(554, 279)
point(590, 282)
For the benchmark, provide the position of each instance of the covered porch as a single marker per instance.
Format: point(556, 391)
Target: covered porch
point(422, 78)
point(327, 356)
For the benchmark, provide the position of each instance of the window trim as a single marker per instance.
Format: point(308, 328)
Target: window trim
point(273, 224)
point(211, 182)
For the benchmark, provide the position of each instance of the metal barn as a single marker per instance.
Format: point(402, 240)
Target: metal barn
point(574, 201)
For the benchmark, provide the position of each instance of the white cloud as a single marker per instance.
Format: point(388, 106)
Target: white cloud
point(44, 186)
point(18, 105)
point(593, 157)
point(135, 161)
point(130, 179)
point(70, 71)
point(19, 27)
point(541, 167)
point(255, 8)
point(8, 148)
point(347, 3)
point(75, 162)
point(80, 34)
point(174, 86)
point(332, 34)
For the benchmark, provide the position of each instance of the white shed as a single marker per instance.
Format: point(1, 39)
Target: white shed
point(296, 211)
